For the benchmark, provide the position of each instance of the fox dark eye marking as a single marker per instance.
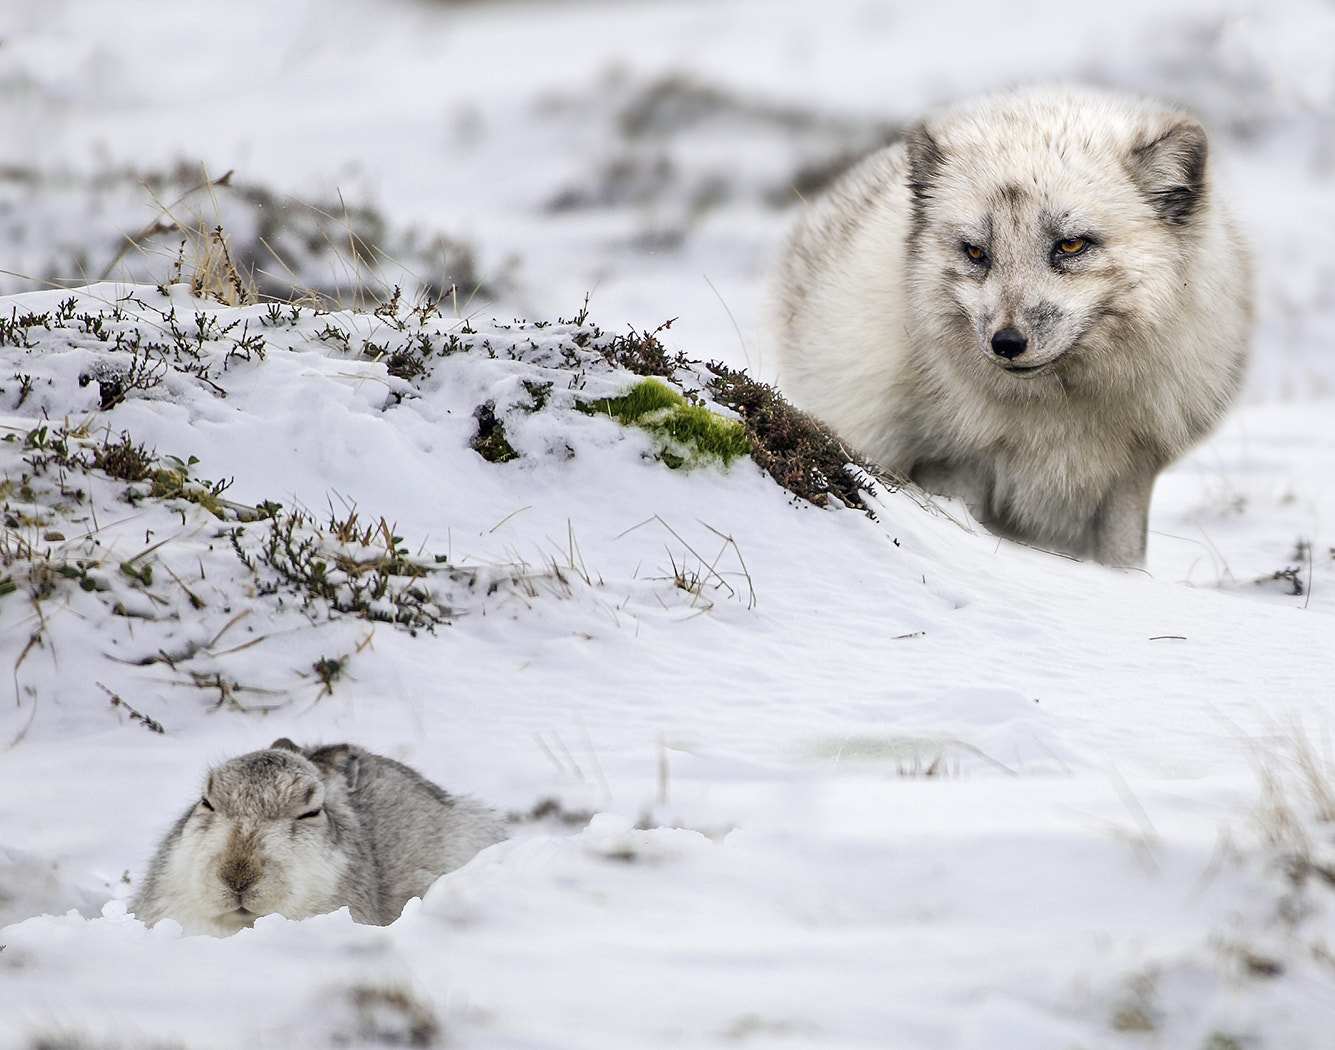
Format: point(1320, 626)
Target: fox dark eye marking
point(312, 814)
point(206, 804)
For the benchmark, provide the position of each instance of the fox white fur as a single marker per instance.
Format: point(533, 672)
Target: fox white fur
point(299, 833)
point(1033, 301)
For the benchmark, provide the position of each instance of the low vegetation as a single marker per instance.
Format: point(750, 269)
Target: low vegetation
point(799, 452)
point(133, 348)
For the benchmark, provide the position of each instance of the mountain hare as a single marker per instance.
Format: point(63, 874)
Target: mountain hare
point(298, 832)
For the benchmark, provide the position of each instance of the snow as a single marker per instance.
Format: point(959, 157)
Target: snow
point(856, 782)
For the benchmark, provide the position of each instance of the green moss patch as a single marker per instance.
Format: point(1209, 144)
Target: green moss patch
point(688, 435)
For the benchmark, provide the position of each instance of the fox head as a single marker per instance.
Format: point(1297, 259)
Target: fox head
point(1042, 235)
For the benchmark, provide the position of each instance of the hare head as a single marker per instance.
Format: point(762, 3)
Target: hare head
point(263, 838)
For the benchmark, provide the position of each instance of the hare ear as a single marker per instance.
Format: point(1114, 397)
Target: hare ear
point(338, 760)
point(1169, 171)
point(284, 744)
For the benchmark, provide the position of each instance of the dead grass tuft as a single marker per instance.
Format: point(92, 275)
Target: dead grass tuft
point(387, 1015)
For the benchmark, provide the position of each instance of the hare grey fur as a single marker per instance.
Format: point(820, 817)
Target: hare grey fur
point(301, 831)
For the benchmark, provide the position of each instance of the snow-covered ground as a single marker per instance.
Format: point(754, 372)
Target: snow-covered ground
point(832, 780)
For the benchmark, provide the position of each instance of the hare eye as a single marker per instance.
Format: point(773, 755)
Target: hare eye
point(312, 814)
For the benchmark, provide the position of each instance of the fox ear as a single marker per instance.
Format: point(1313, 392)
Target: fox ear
point(1169, 171)
point(925, 162)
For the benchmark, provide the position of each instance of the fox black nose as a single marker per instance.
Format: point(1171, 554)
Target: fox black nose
point(1008, 343)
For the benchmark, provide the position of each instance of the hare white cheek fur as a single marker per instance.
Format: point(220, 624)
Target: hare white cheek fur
point(299, 833)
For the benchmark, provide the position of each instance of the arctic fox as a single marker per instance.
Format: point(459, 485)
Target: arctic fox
point(1033, 302)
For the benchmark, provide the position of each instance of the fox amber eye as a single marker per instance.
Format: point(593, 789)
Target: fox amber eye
point(974, 252)
point(1071, 246)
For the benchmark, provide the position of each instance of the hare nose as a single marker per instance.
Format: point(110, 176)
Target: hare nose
point(240, 867)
